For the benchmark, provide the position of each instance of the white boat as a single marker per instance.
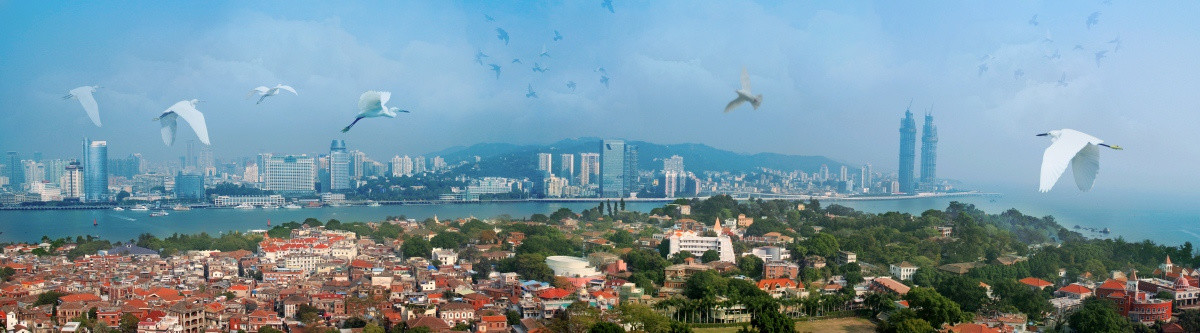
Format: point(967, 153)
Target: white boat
point(270, 206)
point(373, 204)
point(245, 206)
point(140, 208)
point(119, 209)
point(159, 213)
point(292, 206)
point(181, 208)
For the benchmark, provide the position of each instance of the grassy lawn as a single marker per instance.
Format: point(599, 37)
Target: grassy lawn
point(838, 325)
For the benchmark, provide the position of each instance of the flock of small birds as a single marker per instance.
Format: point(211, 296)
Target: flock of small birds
point(1072, 148)
point(537, 58)
point(1098, 52)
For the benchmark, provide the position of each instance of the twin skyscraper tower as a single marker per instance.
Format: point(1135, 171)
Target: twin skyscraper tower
point(908, 152)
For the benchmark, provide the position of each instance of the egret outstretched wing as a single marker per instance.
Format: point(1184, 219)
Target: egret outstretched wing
point(261, 90)
point(734, 104)
point(745, 80)
point(1085, 166)
point(195, 119)
point(169, 125)
point(370, 101)
point(1058, 156)
point(288, 88)
point(84, 95)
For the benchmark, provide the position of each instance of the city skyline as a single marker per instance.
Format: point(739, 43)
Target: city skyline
point(988, 110)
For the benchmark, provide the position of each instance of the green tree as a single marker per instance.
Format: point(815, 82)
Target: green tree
point(768, 319)
point(965, 291)
point(643, 318)
point(823, 244)
point(704, 285)
point(268, 329)
point(448, 240)
point(1100, 316)
point(679, 327)
point(416, 247)
point(935, 308)
point(710, 256)
point(604, 326)
point(530, 266)
point(513, 317)
point(49, 297)
point(7, 273)
point(751, 266)
point(373, 328)
point(128, 323)
point(1190, 320)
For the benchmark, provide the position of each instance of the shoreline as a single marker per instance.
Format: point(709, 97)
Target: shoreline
point(547, 200)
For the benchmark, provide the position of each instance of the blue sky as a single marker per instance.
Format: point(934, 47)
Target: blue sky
point(836, 77)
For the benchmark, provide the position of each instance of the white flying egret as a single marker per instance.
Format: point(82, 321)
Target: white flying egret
point(84, 95)
point(1077, 149)
point(187, 110)
point(374, 104)
point(266, 92)
point(744, 94)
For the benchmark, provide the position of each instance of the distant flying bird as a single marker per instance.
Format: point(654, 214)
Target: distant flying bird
point(608, 4)
point(1018, 74)
point(516, 61)
point(1100, 55)
point(268, 92)
point(1078, 47)
point(1048, 38)
point(374, 104)
point(1033, 21)
point(604, 80)
point(1054, 56)
point(1062, 82)
point(84, 95)
point(1117, 42)
point(479, 55)
point(502, 35)
point(1074, 148)
point(557, 37)
point(545, 52)
point(496, 68)
point(1093, 19)
point(601, 70)
point(983, 68)
point(187, 110)
point(571, 85)
point(489, 18)
point(744, 94)
point(538, 68)
point(529, 93)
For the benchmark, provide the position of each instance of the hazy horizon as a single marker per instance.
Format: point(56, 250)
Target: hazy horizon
point(836, 79)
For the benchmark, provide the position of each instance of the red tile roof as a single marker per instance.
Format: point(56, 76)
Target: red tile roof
point(553, 293)
point(1036, 282)
point(1075, 288)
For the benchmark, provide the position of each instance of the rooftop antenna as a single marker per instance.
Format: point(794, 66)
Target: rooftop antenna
point(910, 100)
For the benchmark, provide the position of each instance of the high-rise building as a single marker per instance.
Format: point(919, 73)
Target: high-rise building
point(71, 181)
point(34, 172)
point(908, 148)
point(55, 169)
point(206, 160)
point(189, 186)
point(16, 171)
point(419, 164)
point(929, 140)
point(673, 176)
point(439, 163)
point(589, 167)
point(844, 173)
point(612, 169)
point(553, 186)
point(357, 159)
point(289, 174)
point(546, 163)
point(401, 166)
point(339, 166)
point(633, 181)
point(865, 177)
point(251, 173)
point(191, 154)
point(95, 171)
point(566, 166)
point(824, 172)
